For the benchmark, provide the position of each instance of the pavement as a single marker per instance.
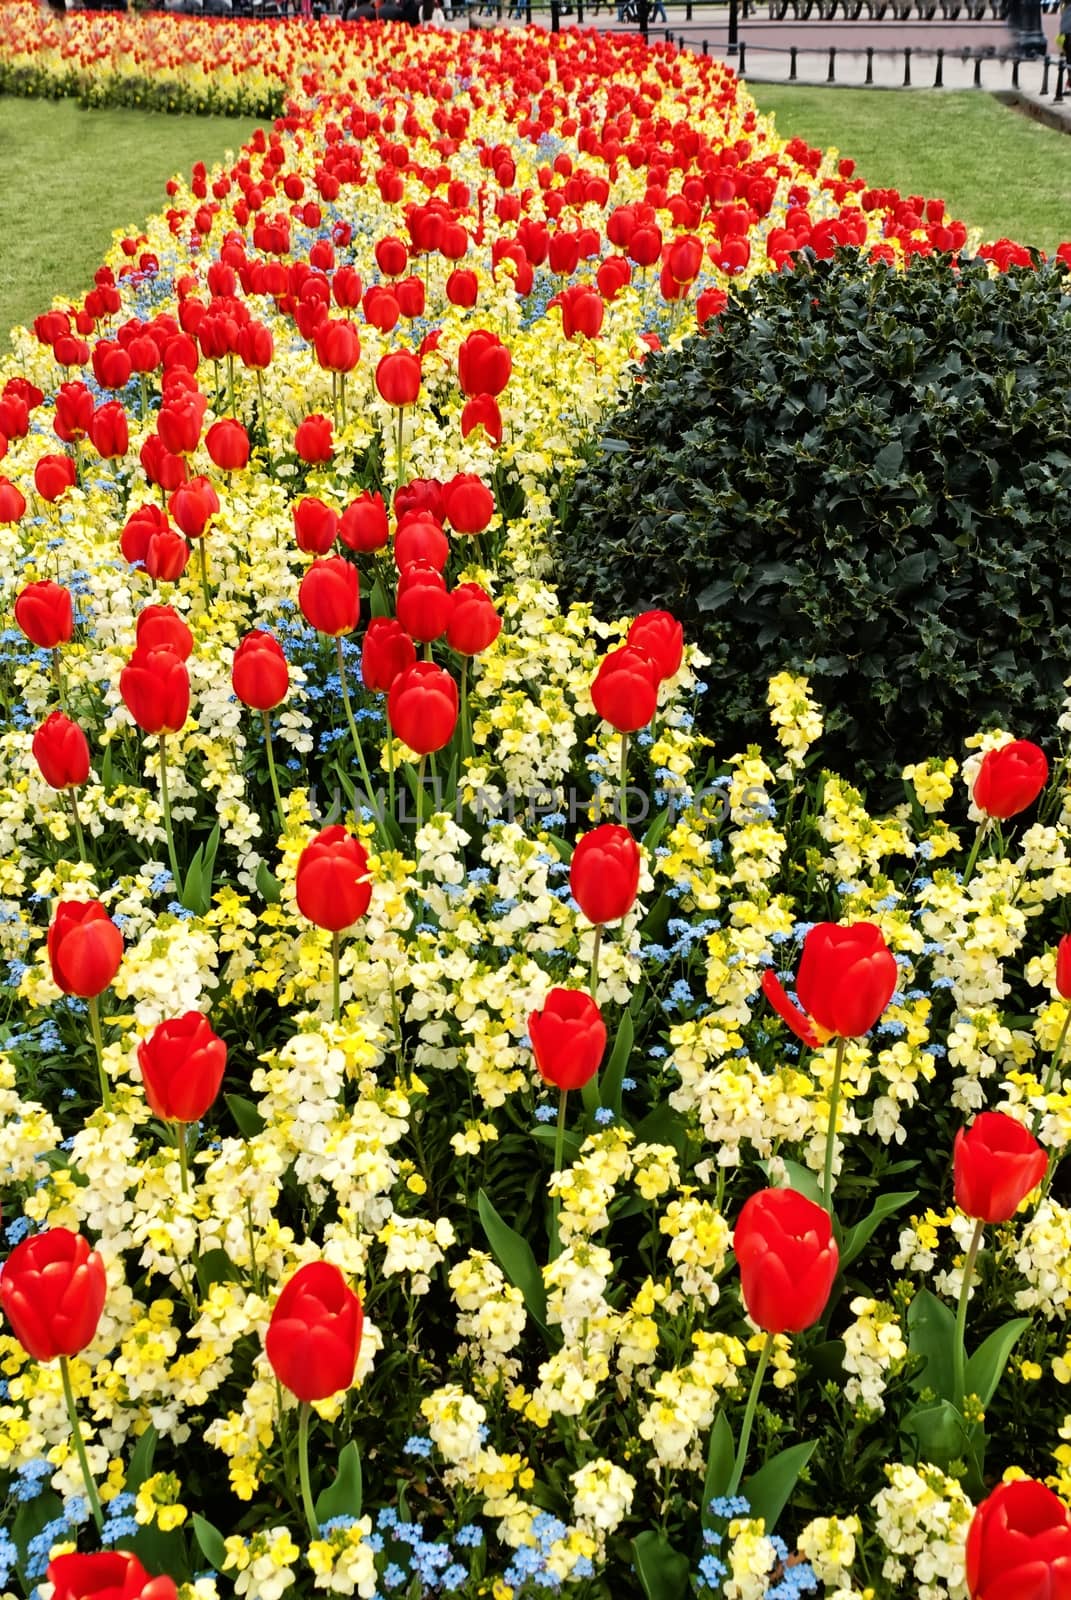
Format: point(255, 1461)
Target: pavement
point(942, 54)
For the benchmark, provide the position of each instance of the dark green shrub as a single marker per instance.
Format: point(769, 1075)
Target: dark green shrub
point(862, 473)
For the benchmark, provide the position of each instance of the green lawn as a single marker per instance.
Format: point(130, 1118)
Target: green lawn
point(68, 177)
point(993, 167)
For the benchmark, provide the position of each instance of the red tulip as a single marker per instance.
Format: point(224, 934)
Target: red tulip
point(422, 706)
point(474, 623)
point(604, 875)
point(423, 604)
point(482, 412)
point(338, 349)
point(259, 673)
point(661, 637)
point(568, 1038)
point(787, 1257)
point(315, 525)
point(85, 948)
point(387, 651)
point(846, 979)
point(193, 505)
point(228, 444)
point(582, 311)
point(12, 503)
point(109, 431)
point(392, 257)
point(420, 538)
point(61, 750)
point(179, 422)
point(419, 495)
point(1063, 967)
point(625, 690)
point(333, 885)
point(166, 556)
point(182, 1065)
point(74, 412)
point(410, 296)
point(255, 346)
point(381, 308)
point(155, 687)
point(52, 1290)
point(462, 288)
point(996, 1164)
point(45, 614)
point(468, 503)
point(330, 596)
point(161, 467)
point(1010, 779)
point(484, 364)
point(53, 476)
point(312, 440)
point(711, 303)
point(398, 378)
point(161, 628)
point(106, 1575)
point(613, 274)
point(314, 1335)
point(1019, 1545)
point(363, 524)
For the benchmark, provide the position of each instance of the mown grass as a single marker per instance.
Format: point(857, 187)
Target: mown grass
point(70, 177)
point(995, 168)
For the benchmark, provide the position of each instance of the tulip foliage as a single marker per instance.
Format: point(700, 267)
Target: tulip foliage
point(463, 1132)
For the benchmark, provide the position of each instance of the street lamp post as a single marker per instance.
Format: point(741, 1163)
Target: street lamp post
point(733, 47)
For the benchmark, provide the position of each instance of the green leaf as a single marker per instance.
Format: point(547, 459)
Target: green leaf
point(268, 887)
point(800, 1178)
point(614, 1073)
point(986, 1366)
point(939, 1430)
point(856, 1239)
point(215, 1266)
point(721, 1457)
point(140, 1466)
point(345, 1495)
point(931, 1331)
point(248, 1118)
point(769, 1489)
point(665, 1126)
point(211, 1541)
point(381, 606)
point(663, 1571)
point(196, 893)
point(514, 1255)
point(29, 1520)
point(548, 1135)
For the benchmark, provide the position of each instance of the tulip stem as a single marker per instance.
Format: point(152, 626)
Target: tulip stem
point(749, 1415)
point(336, 1005)
point(595, 948)
point(79, 835)
point(354, 735)
point(183, 1159)
point(983, 829)
point(79, 1445)
point(143, 386)
point(623, 783)
point(165, 800)
point(559, 1157)
point(831, 1128)
point(303, 1469)
point(466, 732)
point(959, 1351)
point(1050, 1075)
point(98, 1046)
point(57, 679)
point(390, 764)
point(342, 397)
point(202, 557)
point(398, 451)
point(272, 774)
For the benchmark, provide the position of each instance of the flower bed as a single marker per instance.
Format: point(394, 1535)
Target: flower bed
point(302, 1013)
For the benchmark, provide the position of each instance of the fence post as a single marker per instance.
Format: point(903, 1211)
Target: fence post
point(1059, 80)
point(869, 64)
point(705, 47)
point(1045, 76)
point(644, 10)
point(977, 72)
point(939, 75)
point(907, 66)
point(791, 62)
point(831, 75)
point(555, 17)
point(688, 11)
point(734, 27)
point(1015, 72)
